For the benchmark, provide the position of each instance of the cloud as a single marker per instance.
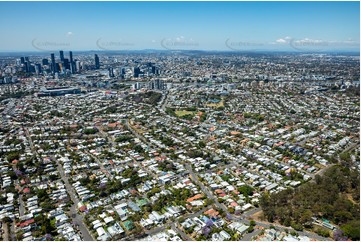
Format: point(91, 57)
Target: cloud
point(281, 41)
point(69, 33)
point(284, 40)
point(179, 39)
point(311, 42)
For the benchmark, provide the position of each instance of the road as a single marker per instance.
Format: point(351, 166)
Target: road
point(5, 228)
point(164, 101)
point(184, 236)
point(104, 170)
point(77, 219)
point(21, 205)
point(136, 134)
point(209, 194)
point(12, 231)
point(349, 147)
point(171, 223)
point(243, 218)
point(249, 236)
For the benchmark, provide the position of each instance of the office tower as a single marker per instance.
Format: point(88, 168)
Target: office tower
point(58, 67)
point(61, 67)
point(45, 62)
point(31, 68)
point(97, 63)
point(159, 84)
point(71, 56)
point(66, 64)
point(154, 69)
point(26, 66)
point(61, 55)
point(53, 66)
point(78, 66)
point(37, 69)
point(136, 71)
point(111, 72)
point(27, 59)
point(22, 60)
point(72, 64)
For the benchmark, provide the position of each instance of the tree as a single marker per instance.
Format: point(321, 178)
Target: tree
point(13, 156)
point(352, 230)
point(323, 232)
point(342, 216)
point(306, 217)
point(7, 220)
point(252, 223)
point(246, 190)
point(202, 144)
point(296, 226)
point(338, 235)
point(12, 175)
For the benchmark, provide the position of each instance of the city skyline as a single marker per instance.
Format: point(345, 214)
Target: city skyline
point(232, 26)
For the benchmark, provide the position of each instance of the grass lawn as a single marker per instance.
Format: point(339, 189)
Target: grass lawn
point(320, 166)
point(181, 113)
point(217, 105)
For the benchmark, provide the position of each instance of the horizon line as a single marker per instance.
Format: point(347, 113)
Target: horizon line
point(184, 50)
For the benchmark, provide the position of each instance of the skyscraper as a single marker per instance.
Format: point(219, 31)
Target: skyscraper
point(66, 64)
point(53, 66)
point(136, 72)
point(37, 69)
point(26, 66)
point(45, 62)
point(61, 55)
point(78, 66)
point(111, 72)
point(72, 64)
point(97, 63)
point(22, 60)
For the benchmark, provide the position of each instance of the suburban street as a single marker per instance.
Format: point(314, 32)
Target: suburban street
point(77, 219)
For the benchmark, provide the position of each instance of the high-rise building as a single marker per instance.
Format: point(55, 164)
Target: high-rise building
point(72, 64)
point(61, 55)
point(26, 66)
point(22, 60)
point(122, 70)
point(78, 66)
point(53, 66)
point(37, 69)
point(136, 71)
point(66, 64)
point(31, 68)
point(111, 72)
point(156, 84)
point(45, 62)
point(97, 63)
point(27, 59)
point(58, 67)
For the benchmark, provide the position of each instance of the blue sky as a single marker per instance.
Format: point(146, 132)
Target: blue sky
point(27, 26)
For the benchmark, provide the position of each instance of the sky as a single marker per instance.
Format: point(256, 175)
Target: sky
point(44, 26)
